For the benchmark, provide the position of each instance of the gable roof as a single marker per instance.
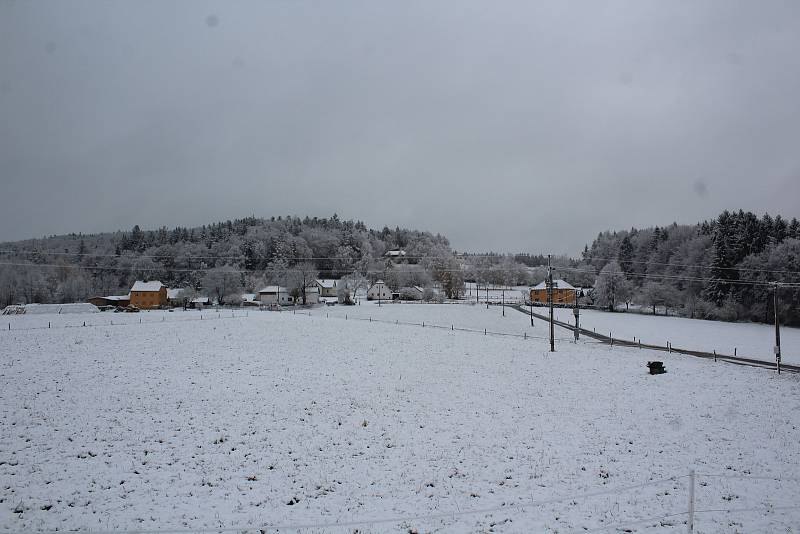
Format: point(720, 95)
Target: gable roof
point(557, 284)
point(153, 285)
point(273, 289)
point(327, 284)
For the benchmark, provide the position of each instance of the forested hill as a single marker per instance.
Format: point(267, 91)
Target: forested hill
point(72, 267)
point(714, 269)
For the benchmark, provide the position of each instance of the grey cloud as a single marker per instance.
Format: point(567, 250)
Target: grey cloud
point(510, 126)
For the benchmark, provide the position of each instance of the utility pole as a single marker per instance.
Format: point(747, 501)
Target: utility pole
point(550, 302)
point(504, 301)
point(577, 312)
point(487, 295)
point(530, 303)
point(777, 331)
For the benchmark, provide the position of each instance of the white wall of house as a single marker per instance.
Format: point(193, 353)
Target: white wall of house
point(379, 291)
point(272, 298)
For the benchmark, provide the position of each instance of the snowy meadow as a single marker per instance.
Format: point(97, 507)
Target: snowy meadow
point(281, 420)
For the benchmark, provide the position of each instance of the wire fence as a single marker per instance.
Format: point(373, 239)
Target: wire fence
point(667, 347)
point(691, 516)
point(125, 320)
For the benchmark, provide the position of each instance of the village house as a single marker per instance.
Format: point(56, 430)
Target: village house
point(563, 293)
point(327, 288)
point(379, 291)
point(275, 295)
point(148, 295)
point(198, 303)
point(395, 254)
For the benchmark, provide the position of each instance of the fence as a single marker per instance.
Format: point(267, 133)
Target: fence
point(102, 321)
point(697, 485)
point(667, 347)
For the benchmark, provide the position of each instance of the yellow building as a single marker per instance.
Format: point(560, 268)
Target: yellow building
point(563, 293)
point(148, 295)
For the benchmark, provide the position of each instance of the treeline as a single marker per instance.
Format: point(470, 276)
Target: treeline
point(218, 259)
point(716, 269)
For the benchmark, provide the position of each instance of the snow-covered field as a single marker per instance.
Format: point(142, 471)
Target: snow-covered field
point(749, 339)
point(282, 419)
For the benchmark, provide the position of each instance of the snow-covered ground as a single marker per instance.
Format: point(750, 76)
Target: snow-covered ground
point(283, 419)
point(496, 294)
point(749, 339)
point(465, 314)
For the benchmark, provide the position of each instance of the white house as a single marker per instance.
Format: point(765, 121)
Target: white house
point(379, 291)
point(395, 254)
point(198, 303)
point(327, 288)
point(275, 295)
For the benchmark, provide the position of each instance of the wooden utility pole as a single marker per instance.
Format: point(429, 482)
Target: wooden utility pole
point(504, 301)
point(777, 331)
point(577, 313)
point(487, 295)
point(550, 302)
point(530, 302)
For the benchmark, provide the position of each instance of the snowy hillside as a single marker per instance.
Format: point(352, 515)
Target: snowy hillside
point(284, 419)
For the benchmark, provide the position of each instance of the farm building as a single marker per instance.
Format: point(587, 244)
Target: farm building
point(198, 303)
point(275, 295)
point(379, 291)
point(563, 293)
point(111, 300)
point(327, 288)
point(148, 294)
point(411, 293)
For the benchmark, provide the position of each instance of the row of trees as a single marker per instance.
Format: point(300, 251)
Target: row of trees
point(717, 269)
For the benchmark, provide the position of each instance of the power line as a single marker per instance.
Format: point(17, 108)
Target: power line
point(245, 257)
point(699, 266)
point(784, 284)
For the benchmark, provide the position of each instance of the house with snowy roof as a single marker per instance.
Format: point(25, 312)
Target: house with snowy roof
point(379, 291)
point(395, 254)
point(274, 295)
point(563, 293)
point(147, 295)
point(327, 288)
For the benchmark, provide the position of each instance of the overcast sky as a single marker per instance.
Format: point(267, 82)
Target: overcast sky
point(508, 126)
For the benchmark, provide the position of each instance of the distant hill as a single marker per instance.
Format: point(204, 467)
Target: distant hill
point(73, 267)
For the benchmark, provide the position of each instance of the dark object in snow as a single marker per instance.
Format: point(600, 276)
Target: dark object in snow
point(656, 368)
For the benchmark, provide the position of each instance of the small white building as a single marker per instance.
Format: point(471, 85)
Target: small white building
point(379, 291)
point(395, 254)
point(275, 295)
point(198, 303)
point(327, 288)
